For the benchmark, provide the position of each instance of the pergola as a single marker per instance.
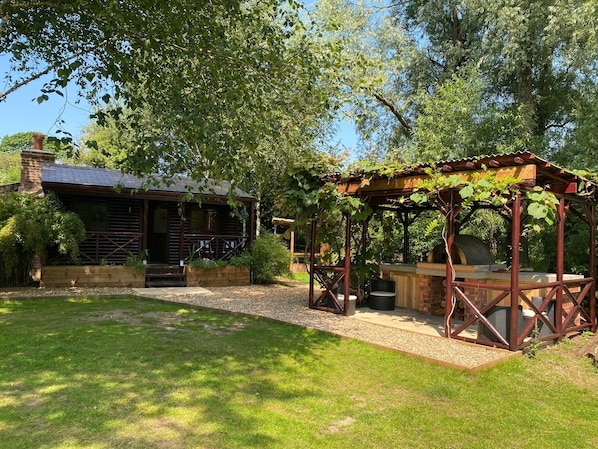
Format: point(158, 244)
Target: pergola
point(573, 300)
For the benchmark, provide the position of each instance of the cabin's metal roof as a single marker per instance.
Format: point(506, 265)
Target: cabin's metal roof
point(92, 177)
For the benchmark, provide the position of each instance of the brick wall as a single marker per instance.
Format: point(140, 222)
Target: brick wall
point(478, 296)
point(431, 298)
point(31, 170)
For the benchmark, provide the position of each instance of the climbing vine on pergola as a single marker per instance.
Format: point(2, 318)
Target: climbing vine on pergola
point(508, 183)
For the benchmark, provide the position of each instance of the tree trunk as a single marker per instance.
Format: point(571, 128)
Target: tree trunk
point(258, 216)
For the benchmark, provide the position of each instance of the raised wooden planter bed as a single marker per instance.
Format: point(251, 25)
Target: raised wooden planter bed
point(217, 277)
point(92, 276)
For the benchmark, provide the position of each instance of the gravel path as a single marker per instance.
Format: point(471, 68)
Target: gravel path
point(289, 303)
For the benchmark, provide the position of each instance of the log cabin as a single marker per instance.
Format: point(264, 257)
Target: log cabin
point(126, 216)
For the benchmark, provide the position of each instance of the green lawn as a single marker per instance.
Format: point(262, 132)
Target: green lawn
point(135, 373)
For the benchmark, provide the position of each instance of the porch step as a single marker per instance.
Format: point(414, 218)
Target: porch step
point(165, 283)
point(165, 276)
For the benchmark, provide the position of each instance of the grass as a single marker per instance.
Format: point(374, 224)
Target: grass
point(301, 277)
point(136, 373)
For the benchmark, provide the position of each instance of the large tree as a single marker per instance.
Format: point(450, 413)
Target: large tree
point(467, 74)
point(222, 82)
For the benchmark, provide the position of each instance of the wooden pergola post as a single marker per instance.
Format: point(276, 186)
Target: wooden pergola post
point(591, 213)
point(515, 242)
point(560, 265)
point(347, 277)
point(449, 278)
point(312, 261)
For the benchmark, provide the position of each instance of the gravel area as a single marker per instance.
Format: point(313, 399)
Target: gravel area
point(289, 303)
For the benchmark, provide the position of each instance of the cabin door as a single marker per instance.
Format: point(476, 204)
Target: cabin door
point(158, 232)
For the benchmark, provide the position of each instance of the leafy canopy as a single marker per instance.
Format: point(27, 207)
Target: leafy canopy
point(426, 79)
point(209, 87)
point(17, 142)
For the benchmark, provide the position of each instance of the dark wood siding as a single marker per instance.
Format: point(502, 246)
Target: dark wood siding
point(227, 224)
point(124, 214)
point(122, 237)
point(122, 234)
point(174, 234)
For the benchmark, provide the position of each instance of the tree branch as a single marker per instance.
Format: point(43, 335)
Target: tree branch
point(20, 84)
point(394, 110)
point(38, 75)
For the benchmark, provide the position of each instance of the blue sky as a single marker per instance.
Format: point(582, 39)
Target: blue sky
point(20, 111)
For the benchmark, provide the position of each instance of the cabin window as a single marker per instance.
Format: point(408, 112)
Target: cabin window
point(204, 220)
point(94, 215)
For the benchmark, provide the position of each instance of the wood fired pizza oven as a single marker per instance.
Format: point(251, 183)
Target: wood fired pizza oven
point(467, 250)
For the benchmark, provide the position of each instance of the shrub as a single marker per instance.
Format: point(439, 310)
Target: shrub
point(10, 168)
point(136, 262)
point(270, 259)
point(242, 260)
point(207, 264)
point(31, 225)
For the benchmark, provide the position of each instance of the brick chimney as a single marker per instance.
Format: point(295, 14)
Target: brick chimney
point(31, 166)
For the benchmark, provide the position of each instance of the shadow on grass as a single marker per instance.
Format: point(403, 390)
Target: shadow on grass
point(131, 372)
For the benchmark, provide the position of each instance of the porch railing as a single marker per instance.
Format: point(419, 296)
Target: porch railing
point(213, 246)
point(564, 298)
point(112, 247)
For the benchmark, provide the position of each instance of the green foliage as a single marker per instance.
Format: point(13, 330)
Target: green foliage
point(386, 238)
point(10, 168)
point(270, 259)
point(102, 146)
point(306, 193)
point(542, 247)
point(541, 207)
point(242, 260)
point(578, 152)
point(371, 53)
point(235, 90)
point(364, 267)
point(486, 188)
point(17, 142)
point(136, 262)
point(455, 122)
point(31, 226)
point(208, 264)
point(427, 80)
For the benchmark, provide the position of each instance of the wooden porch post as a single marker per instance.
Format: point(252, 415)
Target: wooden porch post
point(145, 224)
point(182, 232)
point(292, 248)
point(515, 242)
